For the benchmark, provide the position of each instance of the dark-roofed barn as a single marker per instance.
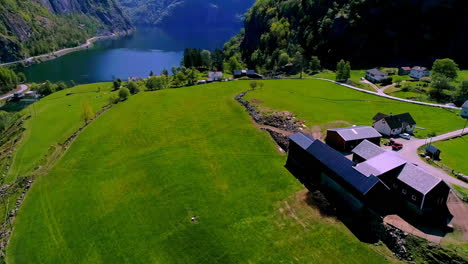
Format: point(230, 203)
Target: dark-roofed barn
point(377, 179)
point(347, 138)
point(314, 162)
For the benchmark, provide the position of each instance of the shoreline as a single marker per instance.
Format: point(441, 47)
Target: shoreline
point(59, 53)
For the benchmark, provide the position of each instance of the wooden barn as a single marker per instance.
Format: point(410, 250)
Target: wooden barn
point(314, 162)
point(375, 177)
point(347, 138)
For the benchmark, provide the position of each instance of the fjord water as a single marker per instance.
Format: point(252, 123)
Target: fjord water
point(134, 55)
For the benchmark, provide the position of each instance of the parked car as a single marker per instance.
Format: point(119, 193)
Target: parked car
point(405, 136)
point(397, 146)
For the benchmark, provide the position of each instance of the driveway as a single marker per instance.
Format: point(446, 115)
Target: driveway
point(22, 88)
point(410, 153)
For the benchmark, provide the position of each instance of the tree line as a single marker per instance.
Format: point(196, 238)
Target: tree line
point(9, 79)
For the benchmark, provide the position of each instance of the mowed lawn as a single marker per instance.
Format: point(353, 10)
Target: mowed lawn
point(126, 190)
point(53, 119)
point(321, 102)
point(454, 153)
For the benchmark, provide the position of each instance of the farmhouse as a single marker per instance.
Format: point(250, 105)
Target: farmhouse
point(375, 76)
point(215, 76)
point(464, 112)
point(239, 73)
point(404, 70)
point(346, 138)
point(418, 72)
point(391, 125)
point(380, 177)
point(421, 192)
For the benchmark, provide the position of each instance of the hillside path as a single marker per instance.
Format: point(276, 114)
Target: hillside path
point(388, 96)
point(410, 152)
point(22, 88)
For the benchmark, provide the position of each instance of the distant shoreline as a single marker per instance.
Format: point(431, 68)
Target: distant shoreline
point(56, 54)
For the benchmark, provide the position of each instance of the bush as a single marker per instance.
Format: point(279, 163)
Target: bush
point(133, 87)
point(253, 85)
point(124, 93)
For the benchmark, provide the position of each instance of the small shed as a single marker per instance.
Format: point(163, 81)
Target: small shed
point(433, 152)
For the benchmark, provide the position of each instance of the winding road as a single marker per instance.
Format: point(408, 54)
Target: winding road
point(410, 153)
point(61, 52)
point(382, 94)
point(22, 88)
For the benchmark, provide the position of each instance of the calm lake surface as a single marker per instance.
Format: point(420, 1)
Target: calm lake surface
point(147, 49)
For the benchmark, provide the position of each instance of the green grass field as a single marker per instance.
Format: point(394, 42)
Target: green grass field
point(126, 189)
point(454, 153)
point(320, 103)
point(53, 120)
point(356, 76)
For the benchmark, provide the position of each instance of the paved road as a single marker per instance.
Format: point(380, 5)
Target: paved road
point(388, 96)
point(22, 88)
point(382, 90)
point(410, 153)
point(61, 52)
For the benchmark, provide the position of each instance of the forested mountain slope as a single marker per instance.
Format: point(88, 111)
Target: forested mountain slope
point(366, 32)
point(193, 14)
point(32, 27)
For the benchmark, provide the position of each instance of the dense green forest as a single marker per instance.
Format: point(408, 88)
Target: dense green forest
point(29, 27)
point(367, 33)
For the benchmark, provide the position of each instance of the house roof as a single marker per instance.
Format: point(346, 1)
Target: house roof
point(380, 164)
point(418, 178)
point(465, 105)
point(356, 132)
point(303, 140)
point(418, 68)
point(342, 167)
point(367, 150)
point(376, 72)
point(432, 149)
point(379, 116)
point(410, 174)
point(395, 121)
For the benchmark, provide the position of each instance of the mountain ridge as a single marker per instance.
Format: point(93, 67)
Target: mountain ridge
point(35, 27)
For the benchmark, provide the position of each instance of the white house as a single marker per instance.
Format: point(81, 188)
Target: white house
point(419, 72)
point(464, 112)
point(392, 125)
point(374, 75)
point(215, 76)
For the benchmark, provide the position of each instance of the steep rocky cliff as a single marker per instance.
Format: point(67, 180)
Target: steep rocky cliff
point(193, 14)
point(33, 27)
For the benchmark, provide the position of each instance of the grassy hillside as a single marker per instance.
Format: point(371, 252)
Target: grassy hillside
point(53, 120)
point(126, 190)
point(320, 103)
point(454, 153)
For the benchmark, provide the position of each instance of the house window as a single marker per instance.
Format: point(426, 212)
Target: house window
point(403, 191)
point(413, 197)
